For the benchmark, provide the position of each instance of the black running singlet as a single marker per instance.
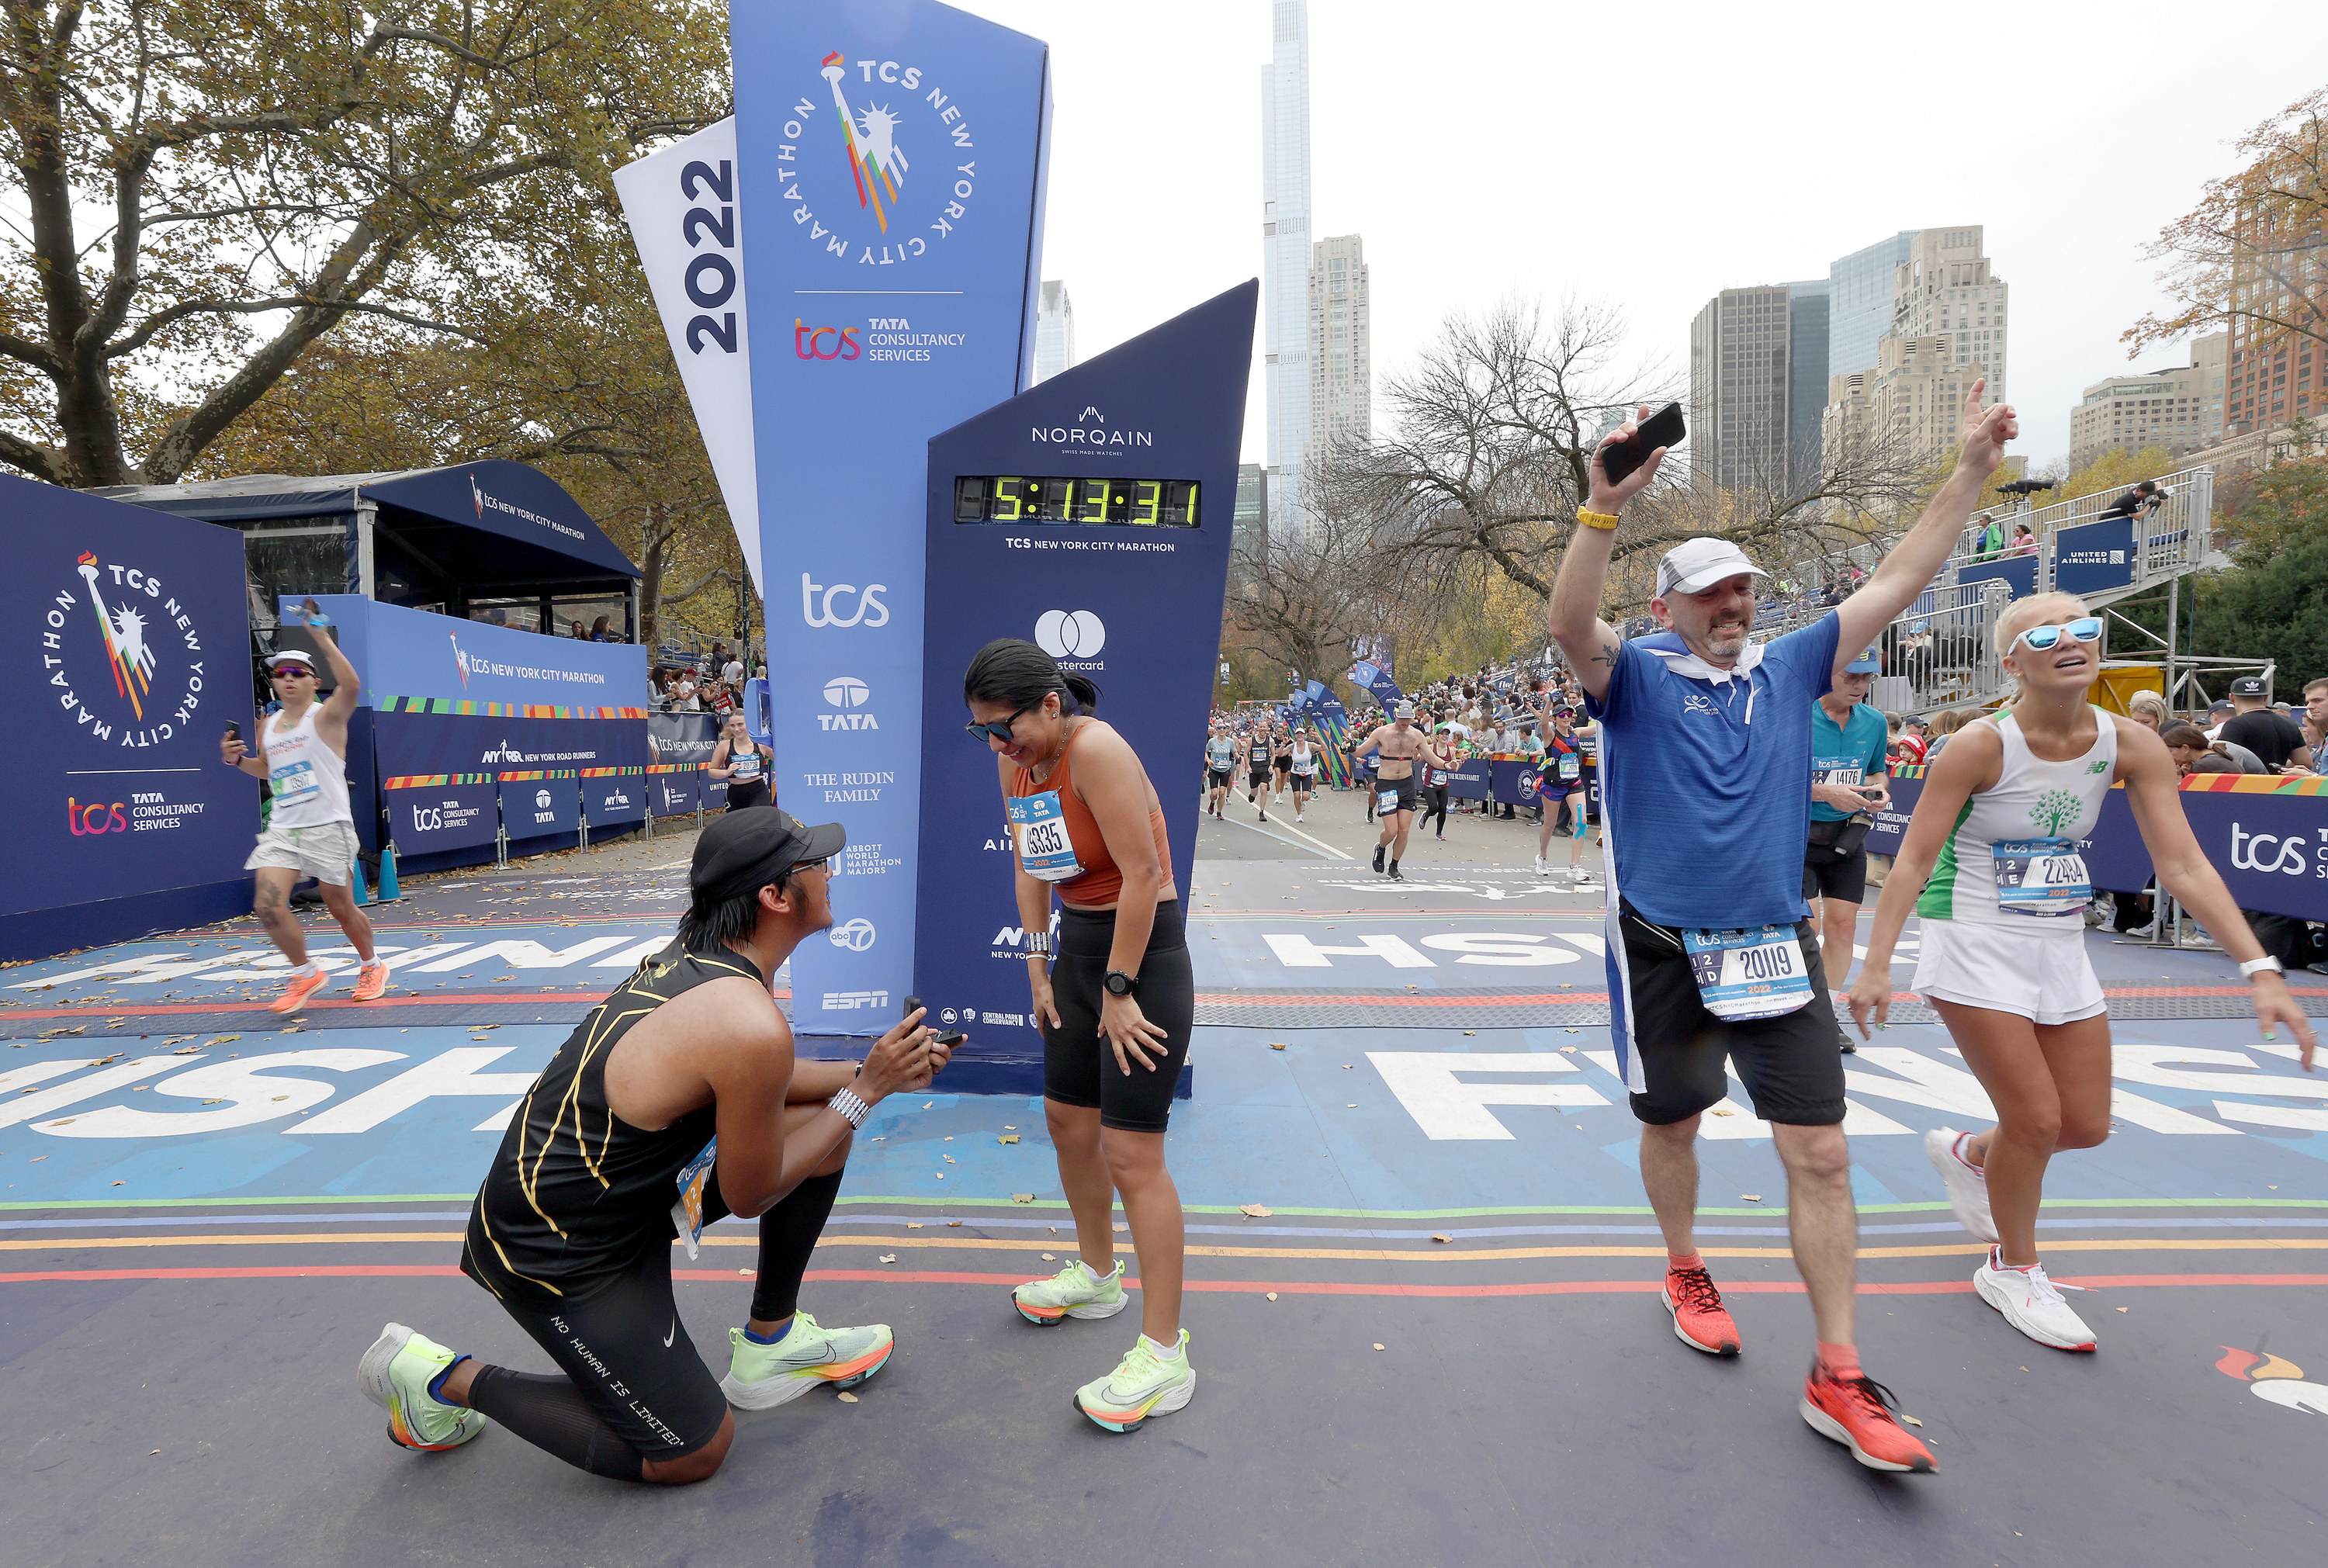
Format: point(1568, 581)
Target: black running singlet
point(574, 1192)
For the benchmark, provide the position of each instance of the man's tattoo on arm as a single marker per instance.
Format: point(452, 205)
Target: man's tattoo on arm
point(1607, 655)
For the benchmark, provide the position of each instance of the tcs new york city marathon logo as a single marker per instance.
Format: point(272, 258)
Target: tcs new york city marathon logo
point(879, 166)
point(122, 654)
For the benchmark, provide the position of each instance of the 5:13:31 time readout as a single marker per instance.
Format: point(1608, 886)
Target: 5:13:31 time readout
point(1012, 497)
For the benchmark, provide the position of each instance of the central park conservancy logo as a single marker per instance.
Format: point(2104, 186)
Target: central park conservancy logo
point(883, 170)
point(122, 654)
point(2054, 808)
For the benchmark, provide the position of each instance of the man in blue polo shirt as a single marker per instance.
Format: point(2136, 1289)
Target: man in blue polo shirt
point(1850, 779)
point(1705, 746)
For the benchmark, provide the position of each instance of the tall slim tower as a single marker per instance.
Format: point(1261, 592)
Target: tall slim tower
point(1286, 260)
point(1342, 341)
point(1054, 330)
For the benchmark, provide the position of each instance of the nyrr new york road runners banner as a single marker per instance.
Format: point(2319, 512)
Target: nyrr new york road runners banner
point(888, 187)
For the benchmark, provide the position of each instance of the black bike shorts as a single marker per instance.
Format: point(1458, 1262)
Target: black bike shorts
point(1219, 777)
point(1826, 875)
point(1791, 1064)
point(1079, 1066)
point(622, 1344)
point(1408, 793)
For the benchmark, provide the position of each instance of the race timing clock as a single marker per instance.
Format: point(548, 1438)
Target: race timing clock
point(1023, 499)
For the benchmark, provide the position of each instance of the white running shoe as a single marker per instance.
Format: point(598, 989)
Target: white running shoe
point(1297, 819)
point(2031, 1304)
point(1539, 866)
point(1967, 1185)
point(1583, 879)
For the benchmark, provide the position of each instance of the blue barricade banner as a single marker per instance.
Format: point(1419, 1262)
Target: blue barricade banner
point(535, 804)
point(429, 814)
point(2094, 557)
point(133, 654)
point(473, 667)
point(1512, 781)
point(2018, 573)
point(1471, 781)
point(672, 789)
point(1123, 563)
point(889, 179)
point(613, 796)
point(425, 743)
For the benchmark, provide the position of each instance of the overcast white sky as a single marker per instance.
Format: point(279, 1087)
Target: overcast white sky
point(1648, 155)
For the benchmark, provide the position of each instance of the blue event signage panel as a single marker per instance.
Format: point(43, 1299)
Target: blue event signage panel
point(531, 807)
point(890, 172)
point(133, 654)
point(620, 797)
point(407, 653)
point(2094, 557)
point(1131, 606)
point(426, 818)
point(2017, 573)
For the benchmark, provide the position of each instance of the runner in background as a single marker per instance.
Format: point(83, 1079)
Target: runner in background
point(311, 828)
point(1849, 782)
point(743, 764)
point(1436, 779)
point(1281, 756)
point(1258, 755)
point(1302, 764)
point(1561, 777)
point(1220, 762)
point(1400, 746)
point(1993, 850)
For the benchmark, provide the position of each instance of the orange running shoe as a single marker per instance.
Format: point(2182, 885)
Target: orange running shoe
point(1856, 1412)
point(370, 981)
point(297, 990)
point(1699, 1319)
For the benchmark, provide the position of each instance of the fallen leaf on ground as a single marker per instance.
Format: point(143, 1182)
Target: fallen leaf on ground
point(1378, 1345)
point(1010, 1127)
point(846, 1398)
point(1441, 1236)
point(1008, 1138)
point(1277, 1045)
point(941, 1176)
point(1749, 1198)
point(912, 1224)
point(1726, 1113)
point(956, 1225)
point(927, 1104)
point(1256, 1211)
point(1022, 1197)
point(1271, 1296)
point(950, 1160)
point(888, 1257)
point(1570, 1049)
point(1911, 1420)
point(1050, 1257)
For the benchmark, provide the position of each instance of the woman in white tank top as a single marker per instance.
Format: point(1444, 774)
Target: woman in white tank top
point(1995, 850)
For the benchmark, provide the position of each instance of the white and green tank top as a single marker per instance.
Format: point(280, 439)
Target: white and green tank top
point(2012, 860)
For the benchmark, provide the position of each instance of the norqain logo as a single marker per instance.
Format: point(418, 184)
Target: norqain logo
point(847, 167)
point(122, 655)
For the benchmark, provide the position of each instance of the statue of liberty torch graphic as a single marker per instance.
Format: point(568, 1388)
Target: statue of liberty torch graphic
point(125, 643)
point(871, 139)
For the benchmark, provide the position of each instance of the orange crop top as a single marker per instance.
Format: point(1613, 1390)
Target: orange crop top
point(1060, 841)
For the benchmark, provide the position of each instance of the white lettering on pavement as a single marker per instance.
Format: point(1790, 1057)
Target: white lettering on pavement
point(454, 1073)
point(1448, 1109)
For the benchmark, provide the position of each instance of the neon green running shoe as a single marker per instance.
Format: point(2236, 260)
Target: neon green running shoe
point(1142, 1385)
point(394, 1374)
point(808, 1355)
point(1074, 1291)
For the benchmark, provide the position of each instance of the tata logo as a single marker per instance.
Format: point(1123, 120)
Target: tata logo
point(1071, 634)
point(95, 818)
point(847, 692)
point(856, 936)
point(541, 799)
point(846, 165)
point(2268, 852)
point(824, 606)
point(121, 618)
point(824, 343)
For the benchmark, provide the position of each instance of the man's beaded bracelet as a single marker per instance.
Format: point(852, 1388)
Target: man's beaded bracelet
point(851, 1106)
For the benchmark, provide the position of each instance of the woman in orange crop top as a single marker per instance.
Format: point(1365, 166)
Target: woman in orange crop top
point(1115, 1006)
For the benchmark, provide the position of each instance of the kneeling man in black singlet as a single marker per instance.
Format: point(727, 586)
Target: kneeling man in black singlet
point(613, 1153)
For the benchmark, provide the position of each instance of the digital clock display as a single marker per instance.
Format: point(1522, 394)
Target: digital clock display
point(1024, 500)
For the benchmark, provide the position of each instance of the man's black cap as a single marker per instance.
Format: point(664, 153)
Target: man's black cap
point(2248, 686)
point(740, 852)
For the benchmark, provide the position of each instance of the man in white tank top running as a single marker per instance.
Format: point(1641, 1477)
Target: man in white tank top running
point(311, 830)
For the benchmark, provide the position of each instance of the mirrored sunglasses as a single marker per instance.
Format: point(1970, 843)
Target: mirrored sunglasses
point(2085, 629)
point(999, 729)
point(286, 670)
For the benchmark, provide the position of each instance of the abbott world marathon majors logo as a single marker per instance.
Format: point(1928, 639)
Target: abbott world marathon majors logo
point(849, 695)
point(879, 165)
point(123, 656)
point(1073, 637)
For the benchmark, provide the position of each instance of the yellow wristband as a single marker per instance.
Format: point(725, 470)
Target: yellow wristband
point(1604, 521)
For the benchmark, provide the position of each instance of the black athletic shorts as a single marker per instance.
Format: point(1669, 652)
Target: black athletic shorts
point(1826, 875)
point(622, 1344)
point(1409, 793)
point(1078, 1064)
point(1219, 776)
point(1256, 777)
point(1791, 1064)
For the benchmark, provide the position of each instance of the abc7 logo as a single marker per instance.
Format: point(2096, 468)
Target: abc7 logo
point(1071, 634)
point(847, 692)
point(856, 936)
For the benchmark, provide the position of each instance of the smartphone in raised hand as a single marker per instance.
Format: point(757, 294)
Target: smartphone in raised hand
point(1663, 429)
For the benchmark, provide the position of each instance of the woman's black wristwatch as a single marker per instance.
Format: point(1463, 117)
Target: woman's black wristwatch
point(1122, 985)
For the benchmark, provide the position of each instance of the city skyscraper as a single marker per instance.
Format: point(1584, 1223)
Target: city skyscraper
point(1945, 288)
point(1758, 385)
point(1054, 330)
point(1341, 340)
point(2180, 408)
point(1859, 302)
point(1286, 258)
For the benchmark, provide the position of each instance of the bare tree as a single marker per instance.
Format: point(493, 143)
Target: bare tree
point(1304, 603)
point(2255, 249)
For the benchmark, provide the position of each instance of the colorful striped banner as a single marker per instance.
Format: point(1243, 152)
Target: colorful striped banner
point(610, 771)
point(463, 706)
point(533, 773)
point(422, 781)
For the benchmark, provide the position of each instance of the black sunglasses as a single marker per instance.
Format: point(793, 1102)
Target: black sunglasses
point(1000, 728)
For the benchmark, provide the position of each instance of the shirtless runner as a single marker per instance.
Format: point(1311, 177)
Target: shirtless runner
point(1399, 745)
